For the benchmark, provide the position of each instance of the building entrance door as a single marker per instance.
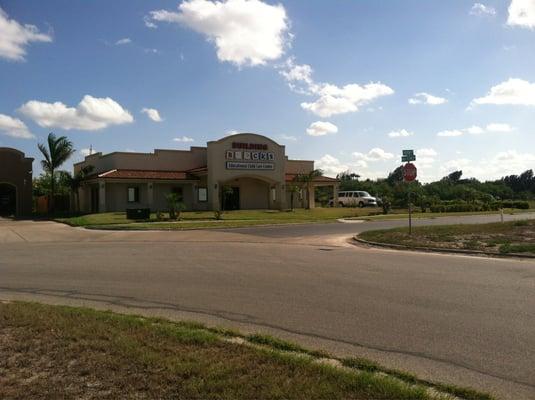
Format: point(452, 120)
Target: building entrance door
point(94, 199)
point(231, 198)
point(8, 199)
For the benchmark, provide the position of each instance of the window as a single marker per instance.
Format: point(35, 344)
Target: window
point(202, 194)
point(273, 194)
point(342, 194)
point(179, 192)
point(133, 194)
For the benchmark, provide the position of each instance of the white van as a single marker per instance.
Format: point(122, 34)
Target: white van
point(355, 198)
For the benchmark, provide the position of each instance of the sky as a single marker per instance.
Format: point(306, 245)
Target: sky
point(349, 84)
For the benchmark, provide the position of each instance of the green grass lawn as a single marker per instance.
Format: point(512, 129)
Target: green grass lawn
point(64, 352)
point(206, 219)
point(504, 238)
point(403, 213)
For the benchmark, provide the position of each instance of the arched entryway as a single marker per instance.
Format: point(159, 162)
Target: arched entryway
point(247, 192)
point(8, 199)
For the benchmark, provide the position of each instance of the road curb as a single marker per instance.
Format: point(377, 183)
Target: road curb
point(441, 250)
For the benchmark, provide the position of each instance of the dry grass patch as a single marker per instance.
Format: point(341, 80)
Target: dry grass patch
point(71, 353)
point(504, 238)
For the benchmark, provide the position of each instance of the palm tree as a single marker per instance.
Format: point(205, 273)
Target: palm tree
point(293, 189)
point(75, 181)
point(306, 181)
point(58, 151)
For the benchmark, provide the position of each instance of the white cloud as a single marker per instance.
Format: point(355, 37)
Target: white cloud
point(504, 163)
point(339, 100)
point(480, 10)
point(231, 132)
point(288, 137)
point(152, 113)
point(522, 13)
point(148, 23)
point(297, 73)
point(426, 152)
point(183, 139)
point(511, 92)
point(455, 165)
point(14, 127)
point(425, 157)
point(375, 154)
point(123, 41)
point(86, 152)
point(400, 133)
point(330, 165)
point(14, 37)
point(92, 113)
point(450, 133)
point(332, 99)
point(496, 127)
point(475, 130)
point(245, 32)
point(321, 128)
point(426, 98)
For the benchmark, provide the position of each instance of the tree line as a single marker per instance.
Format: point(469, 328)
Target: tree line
point(451, 188)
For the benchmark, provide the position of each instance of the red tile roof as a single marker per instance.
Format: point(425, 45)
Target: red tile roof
point(197, 170)
point(142, 174)
point(291, 177)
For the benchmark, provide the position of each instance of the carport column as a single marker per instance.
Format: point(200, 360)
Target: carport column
point(150, 194)
point(311, 196)
point(335, 195)
point(216, 204)
point(280, 193)
point(101, 196)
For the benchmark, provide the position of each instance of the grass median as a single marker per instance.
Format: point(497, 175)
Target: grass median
point(495, 238)
point(207, 219)
point(64, 352)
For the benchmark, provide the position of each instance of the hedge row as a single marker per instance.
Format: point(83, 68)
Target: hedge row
point(478, 206)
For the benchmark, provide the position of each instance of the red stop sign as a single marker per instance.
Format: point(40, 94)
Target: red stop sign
point(409, 172)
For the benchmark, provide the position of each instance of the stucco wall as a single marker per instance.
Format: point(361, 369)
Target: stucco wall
point(117, 196)
point(16, 170)
point(160, 160)
point(299, 166)
point(219, 174)
point(160, 190)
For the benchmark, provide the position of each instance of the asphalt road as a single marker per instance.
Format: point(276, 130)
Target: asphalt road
point(457, 319)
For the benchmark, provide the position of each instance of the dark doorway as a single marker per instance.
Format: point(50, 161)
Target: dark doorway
point(8, 199)
point(94, 200)
point(231, 198)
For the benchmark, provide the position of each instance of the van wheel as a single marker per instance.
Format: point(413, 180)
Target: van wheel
point(361, 204)
point(340, 204)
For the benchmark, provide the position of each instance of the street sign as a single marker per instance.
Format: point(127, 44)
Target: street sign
point(408, 155)
point(409, 172)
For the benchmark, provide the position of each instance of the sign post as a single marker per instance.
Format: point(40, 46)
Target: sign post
point(409, 175)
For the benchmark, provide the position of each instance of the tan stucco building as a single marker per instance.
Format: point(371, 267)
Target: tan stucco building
point(242, 171)
point(15, 182)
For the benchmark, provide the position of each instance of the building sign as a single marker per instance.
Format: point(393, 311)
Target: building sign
point(250, 156)
point(250, 165)
point(249, 146)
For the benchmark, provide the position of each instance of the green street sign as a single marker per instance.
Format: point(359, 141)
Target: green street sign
point(408, 158)
point(408, 152)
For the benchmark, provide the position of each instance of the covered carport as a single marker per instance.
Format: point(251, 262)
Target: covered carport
point(15, 183)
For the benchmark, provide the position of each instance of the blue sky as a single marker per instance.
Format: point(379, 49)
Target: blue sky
point(346, 83)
